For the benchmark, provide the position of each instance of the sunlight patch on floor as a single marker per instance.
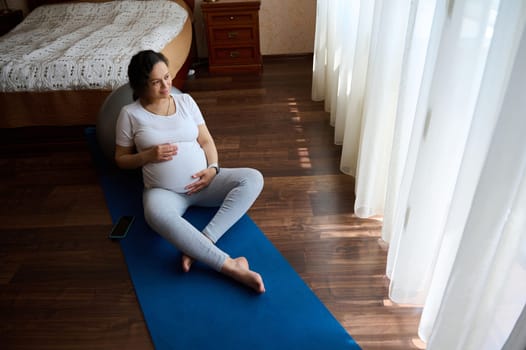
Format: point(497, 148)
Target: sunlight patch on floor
point(388, 302)
point(304, 157)
point(418, 343)
point(378, 218)
point(348, 233)
point(303, 152)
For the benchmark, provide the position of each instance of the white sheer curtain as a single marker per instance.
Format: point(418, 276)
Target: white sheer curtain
point(428, 100)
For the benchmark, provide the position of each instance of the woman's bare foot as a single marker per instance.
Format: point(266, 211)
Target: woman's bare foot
point(238, 269)
point(186, 262)
point(242, 262)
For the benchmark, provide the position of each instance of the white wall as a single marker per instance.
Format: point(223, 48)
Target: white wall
point(17, 4)
point(287, 26)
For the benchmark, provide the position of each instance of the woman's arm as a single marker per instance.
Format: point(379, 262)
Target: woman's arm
point(128, 158)
point(207, 144)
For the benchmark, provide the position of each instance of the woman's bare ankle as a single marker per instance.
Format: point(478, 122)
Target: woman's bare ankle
point(186, 262)
point(242, 262)
point(238, 269)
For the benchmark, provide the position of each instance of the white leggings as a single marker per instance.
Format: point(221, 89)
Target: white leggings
point(233, 190)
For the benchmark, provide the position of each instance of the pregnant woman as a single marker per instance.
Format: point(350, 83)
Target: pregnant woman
point(166, 135)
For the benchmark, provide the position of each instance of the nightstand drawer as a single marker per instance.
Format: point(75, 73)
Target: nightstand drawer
point(236, 55)
point(231, 18)
point(233, 35)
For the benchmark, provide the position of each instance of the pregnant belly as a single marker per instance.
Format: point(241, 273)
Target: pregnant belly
point(177, 173)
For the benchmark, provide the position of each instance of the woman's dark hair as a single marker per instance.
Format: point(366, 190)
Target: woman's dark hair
point(139, 70)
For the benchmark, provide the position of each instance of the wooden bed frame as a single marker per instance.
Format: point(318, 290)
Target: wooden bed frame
point(81, 107)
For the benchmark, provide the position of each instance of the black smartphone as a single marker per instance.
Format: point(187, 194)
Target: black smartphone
point(121, 228)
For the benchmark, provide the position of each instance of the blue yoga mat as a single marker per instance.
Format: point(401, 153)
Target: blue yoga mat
point(203, 309)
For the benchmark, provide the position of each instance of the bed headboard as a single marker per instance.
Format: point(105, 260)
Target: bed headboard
point(32, 4)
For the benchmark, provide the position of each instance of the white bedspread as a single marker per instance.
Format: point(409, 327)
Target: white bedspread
point(84, 45)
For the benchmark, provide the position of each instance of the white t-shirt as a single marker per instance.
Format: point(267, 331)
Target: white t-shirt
point(142, 129)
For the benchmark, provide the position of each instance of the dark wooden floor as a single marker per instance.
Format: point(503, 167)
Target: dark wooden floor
point(64, 285)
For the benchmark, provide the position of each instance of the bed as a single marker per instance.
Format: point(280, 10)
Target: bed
point(67, 87)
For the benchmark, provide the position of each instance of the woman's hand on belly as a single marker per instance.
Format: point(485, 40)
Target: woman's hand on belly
point(162, 153)
point(204, 178)
point(129, 158)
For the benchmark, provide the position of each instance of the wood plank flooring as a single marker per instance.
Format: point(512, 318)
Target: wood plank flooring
point(64, 285)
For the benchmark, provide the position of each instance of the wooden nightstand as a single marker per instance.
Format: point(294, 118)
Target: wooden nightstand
point(9, 20)
point(232, 28)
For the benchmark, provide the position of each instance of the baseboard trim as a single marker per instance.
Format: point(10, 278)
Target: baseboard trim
point(287, 57)
point(203, 61)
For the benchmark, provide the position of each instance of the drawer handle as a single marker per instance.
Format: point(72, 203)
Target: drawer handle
point(232, 35)
point(234, 54)
point(232, 18)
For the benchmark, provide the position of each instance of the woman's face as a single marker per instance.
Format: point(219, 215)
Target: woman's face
point(159, 83)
